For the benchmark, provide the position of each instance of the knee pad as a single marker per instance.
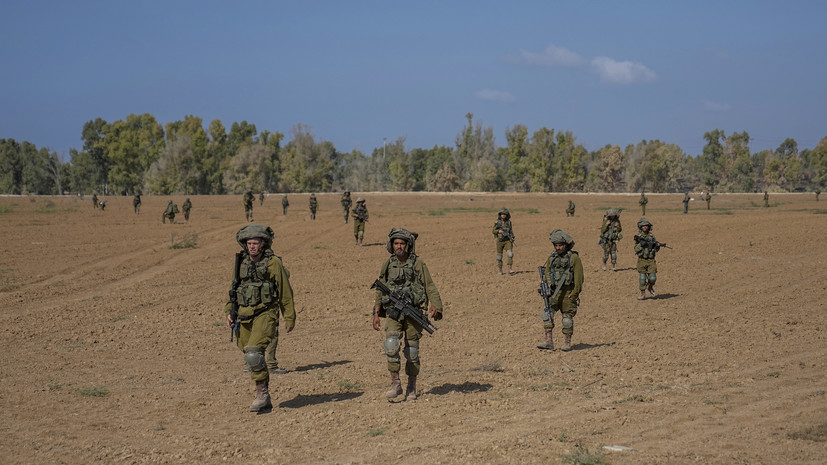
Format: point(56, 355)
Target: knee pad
point(605, 258)
point(547, 316)
point(411, 351)
point(568, 322)
point(509, 254)
point(254, 356)
point(499, 257)
point(391, 345)
point(614, 257)
point(652, 278)
point(643, 280)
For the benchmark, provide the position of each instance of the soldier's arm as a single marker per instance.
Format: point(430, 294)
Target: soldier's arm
point(577, 269)
point(434, 300)
point(377, 299)
point(548, 276)
point(282, 282)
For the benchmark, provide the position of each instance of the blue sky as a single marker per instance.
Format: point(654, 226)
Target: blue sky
point(357, 72)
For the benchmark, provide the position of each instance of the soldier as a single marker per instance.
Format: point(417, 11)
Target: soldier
point(565, 270)
point(284, 204)
point(360, 217)
point(646, 247)
point(261, 198)
point(170, 212)
point(95, 200)
point(263, 290)
point(818, 192)
point(570, 209)
point(685, 201)
point(313, 205)
point(708, 198)
point(136, 203)
point(504, 238)
point(103, 204)
point(404, 270)
point(610, 236)
point(766, 199)
point(187, 206)
point(248, 205)
point(642, 202)
point(346, 202)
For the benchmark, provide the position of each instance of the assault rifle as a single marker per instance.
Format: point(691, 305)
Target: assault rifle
point(544, 290)
point(400, 303)
point(648, 243)
point(234, 294)
point(509, 236)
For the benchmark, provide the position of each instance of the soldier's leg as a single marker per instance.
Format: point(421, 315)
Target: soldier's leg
point(270, 353)
point(509, 252)
point(614, 255)
point(568, 310)
point(253, 339)
point(392, 344)
point(652, 278)
point(356, 231)
point(413, 334)
point(606, 248)
point(548, 326)
point(361, 235)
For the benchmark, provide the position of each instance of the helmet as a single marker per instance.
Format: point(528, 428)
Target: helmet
point(255, 231)
point(558, 236)
point(613, 212)
point(360, 200)
point(313, 195)
point(402, 233)
point(504, 211)
point(644, 222)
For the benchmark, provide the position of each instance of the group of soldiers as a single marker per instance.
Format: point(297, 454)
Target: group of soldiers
point(172, 209)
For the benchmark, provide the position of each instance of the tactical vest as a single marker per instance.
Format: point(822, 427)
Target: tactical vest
point(559, 265)
point(649, 246)
point(257, 287)
point(402, 276)
point(505, 226)
point(612, 234)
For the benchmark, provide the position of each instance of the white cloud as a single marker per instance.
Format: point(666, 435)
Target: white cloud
point(622, 72)
point(552, 56)
point(494, 95)
point(715, 106)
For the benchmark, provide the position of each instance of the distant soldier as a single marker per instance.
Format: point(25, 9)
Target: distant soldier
point(187, 206)
point(103, 204)
point(346, 202)
point(170, 212)
point(766, 199)
point(136, 202)
point(708, 198)
point(313, 205)
point(610, 236)
point(360, 217)
point(564, 270)
point(95, 200)
point(261, 198)
point(570, 209)
point(642, 202)
point(685, 201)
point(504, 238)
point(248, 205)
point(284, 204)
point(646, 247)
point(818, 192)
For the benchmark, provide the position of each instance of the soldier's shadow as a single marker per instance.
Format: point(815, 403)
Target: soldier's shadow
point(373, 244)
point(303, 401)
point(522, 272)
point(316, 366)
point(465, 388)
point(631, 268)
point(584, 346)
point(663, 296)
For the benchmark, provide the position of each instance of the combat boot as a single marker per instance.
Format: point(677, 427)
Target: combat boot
point(548, 344)
point(262, 400)
point(510, 272)
point(566, 343)
point(500, 269)
point(642, 295)
point(410, 392)
point(652, 291)
point(396, 386)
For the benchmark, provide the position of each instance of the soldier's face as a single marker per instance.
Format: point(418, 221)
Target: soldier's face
point(502, 216)
point(399, 246)
point(254, 247)
point(645, 228)
point(560, 248)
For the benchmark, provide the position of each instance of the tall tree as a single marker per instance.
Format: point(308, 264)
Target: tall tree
point(131, 147)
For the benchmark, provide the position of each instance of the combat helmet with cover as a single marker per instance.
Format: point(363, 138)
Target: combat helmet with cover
point(360, 200)
point(401, 233)
point(644, 222)
point(558, 236)
point(504, 211)
point(255, 231)
point(613, 213)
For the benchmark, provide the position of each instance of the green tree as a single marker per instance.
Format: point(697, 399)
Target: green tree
point(93, 135)
point(606, 172)
point(248, 169)
point(131, 148)
point(712, 161)
point(217, 159)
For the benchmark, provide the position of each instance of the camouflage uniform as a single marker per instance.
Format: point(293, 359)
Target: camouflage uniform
point(284, 204)
point(187, 206)
point(360, 217)
point(570, 209)
point(610, 236)
point(346, 203)
point(264, 289)
point(766, 199)
point(313, 205)
point(708, 198)
point(261, 198)
point(642, 202)
point(412, 276)
point(646, 247)
point(95, 201)
point(170, 212)
point(136, 203)
point(248, 205)
point(564, 269)
point(685, 201)
point(504, 239)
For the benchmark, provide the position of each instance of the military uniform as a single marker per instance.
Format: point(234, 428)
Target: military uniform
point(708, 198)
point(565, 270)
point(360, 217)
point(413, 277)
point(504, 237)
point(264, 289)
point(642, 202)
point(261, 198)
point(248, 205)
point(570, 209)
point(346, 203)
point(314, 204)
point(686, 200)
point(646, 247)
point(766, 199)
point(187, 206)
point(95, 201)
point(610, 235)
point(136, 203)
point(284, 204)
point(170, 212)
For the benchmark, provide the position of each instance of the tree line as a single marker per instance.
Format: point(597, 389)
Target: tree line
point(139, 155)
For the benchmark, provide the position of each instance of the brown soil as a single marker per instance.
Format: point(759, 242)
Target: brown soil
point(726, 365)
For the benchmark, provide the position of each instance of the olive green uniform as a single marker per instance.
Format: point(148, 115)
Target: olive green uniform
point(314, 204)
point(187, 206)
point(346, 203)
point(136, 203)
point(708, 198)
point(284, 204)
point(610, 235)
point(360, 217)
point(685, 201)
point(504, 241)
point(261, 198)
point(568, 298)
point(642, 202)
point(95, 200)
point(264, 290)
point(248, 205)
point(646, 246)
point(766, 199)
point(413, 277)
point(570, 209)
point(170, 212)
